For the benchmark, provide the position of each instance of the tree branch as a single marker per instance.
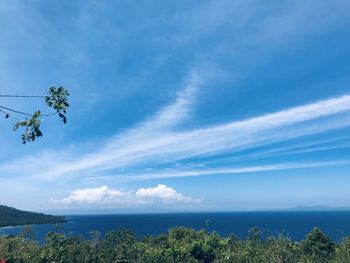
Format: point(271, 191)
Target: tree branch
point(57, 99)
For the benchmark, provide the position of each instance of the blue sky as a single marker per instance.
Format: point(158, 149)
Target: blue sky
point(178, 105)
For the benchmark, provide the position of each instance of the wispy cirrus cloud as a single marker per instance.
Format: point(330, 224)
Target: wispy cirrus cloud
point(207, 171)
point(157, 140)
point(137, 148)
point(178, 111)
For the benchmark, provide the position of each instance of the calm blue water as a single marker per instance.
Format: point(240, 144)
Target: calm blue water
point(295, 224)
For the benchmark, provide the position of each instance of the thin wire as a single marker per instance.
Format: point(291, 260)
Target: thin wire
point(27, 114)
point(16, 111)
point(10, 115)
point(20, 96)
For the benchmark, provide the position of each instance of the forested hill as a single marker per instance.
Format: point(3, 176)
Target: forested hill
point(12, 217)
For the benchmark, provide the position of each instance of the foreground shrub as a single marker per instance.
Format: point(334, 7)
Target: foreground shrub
point(180, 244)
point(317, 247)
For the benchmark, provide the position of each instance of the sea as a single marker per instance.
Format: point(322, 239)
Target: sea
point(294, 224)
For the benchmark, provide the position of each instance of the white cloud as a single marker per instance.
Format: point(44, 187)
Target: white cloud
point(160, 194)
point(92, 195)
point(164, 193)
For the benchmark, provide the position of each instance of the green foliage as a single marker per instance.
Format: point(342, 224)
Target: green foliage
point(57, 99)
point(179, 245)
point(32, 127)
point(28, 233)
point(343, 252)
point(318, 247)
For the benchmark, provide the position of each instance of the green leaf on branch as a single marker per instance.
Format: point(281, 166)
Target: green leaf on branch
point(57, 99)
point(32, 128)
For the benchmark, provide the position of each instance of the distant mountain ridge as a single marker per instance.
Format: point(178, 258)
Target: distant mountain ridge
point(306, 208)
point(318, 208)
point(10, 216)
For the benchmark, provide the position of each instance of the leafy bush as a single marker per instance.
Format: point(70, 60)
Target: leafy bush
point(180, 244)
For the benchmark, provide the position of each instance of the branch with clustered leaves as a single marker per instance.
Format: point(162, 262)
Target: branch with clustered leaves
point(56, 98)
